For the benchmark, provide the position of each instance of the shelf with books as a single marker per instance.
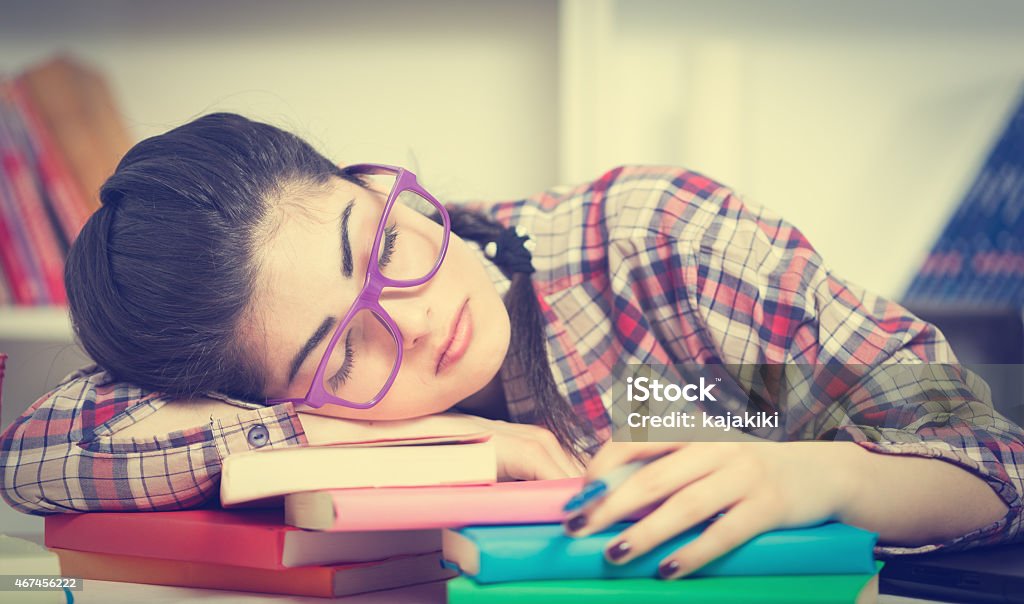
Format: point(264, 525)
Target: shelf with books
point(35, 323)
point(61, 136)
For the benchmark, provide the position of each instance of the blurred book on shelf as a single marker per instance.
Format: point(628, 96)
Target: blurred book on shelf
point(978, 260)
point(971, 285)
point(61, 136)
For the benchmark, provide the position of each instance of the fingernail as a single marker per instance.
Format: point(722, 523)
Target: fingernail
point(668, 568)
point(619, 550)
point(576, 523)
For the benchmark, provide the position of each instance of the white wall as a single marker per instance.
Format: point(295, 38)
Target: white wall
point(861, 122)
point(464, 91)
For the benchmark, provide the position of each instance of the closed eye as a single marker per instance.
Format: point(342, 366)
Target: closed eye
point(341, 377)
point(388, 245)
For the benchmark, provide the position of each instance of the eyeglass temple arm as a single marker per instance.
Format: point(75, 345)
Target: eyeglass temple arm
point(372, 169)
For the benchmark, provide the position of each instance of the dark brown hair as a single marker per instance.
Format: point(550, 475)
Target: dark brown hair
point(161, 276)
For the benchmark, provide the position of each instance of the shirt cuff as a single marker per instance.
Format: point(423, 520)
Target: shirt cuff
point(275, 426)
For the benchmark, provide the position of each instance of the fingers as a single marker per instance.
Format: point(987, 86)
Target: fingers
point(650, 484)
point(680, 512)
point(737, 526)
point(526, 459)
point(613, 455)
point(556, 452)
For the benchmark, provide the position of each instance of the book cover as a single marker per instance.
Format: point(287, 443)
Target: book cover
point(251, 538)
point(19, 258)
point(69, 209)
point(492, 554)
point(978, 259)
point(432, 507)
point(267, 475)
point(79, 110)
point(322, 581)
point(794, 589)
point(25, 190)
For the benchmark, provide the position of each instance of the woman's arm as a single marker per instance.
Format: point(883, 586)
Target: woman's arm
point(913, 501)
point(525, 452)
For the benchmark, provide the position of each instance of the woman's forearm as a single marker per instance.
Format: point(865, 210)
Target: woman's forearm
point(911, 501)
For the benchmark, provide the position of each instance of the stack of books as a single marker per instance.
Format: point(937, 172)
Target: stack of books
point(508, 544)
point(245, 545)
point(61, 136)
point(539, 563)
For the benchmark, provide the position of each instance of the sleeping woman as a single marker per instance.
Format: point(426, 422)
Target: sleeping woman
point(238, 290)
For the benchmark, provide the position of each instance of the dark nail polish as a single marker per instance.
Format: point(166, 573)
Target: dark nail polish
point(576, 523)
point(668, 568)
point(619, 550)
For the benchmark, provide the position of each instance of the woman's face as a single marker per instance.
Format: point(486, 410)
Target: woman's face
point(309, 278)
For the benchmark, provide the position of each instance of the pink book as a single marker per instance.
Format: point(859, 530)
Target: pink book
point(411, 508)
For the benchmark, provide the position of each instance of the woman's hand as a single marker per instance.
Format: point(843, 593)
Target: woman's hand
point(525, 451)
point(759, 486)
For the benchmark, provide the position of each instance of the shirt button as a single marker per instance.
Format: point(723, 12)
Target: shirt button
point(259, 436)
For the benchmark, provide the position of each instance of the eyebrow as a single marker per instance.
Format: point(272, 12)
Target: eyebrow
point(325, 327)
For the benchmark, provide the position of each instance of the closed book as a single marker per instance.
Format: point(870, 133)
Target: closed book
point(80, 112)
point(322, 581)
point(778, 589)
point(431, 507)
point(19, 257)
point(69, 209)
point(252, 538)
point(492, 554)
point(26, 190)
point(263, 475)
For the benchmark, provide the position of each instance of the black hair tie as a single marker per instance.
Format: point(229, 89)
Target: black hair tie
point(510, 250)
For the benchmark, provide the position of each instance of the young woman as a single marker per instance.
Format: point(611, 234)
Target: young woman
point(222, 287)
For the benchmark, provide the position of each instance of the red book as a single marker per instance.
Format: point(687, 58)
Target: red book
point(321, 581)
point(23, 289)
point(255, 538)
point(69, 207)
point(23, 188)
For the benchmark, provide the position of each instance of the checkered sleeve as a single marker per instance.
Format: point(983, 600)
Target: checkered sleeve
point(64, 454)
point(893, 383)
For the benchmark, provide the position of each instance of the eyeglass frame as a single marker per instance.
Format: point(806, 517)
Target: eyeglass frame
point(374, 283)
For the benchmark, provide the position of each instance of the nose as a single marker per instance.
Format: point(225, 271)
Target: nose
point(412, 315)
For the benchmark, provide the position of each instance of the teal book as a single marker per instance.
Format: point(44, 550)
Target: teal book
point(492, 554)
point(778, 589)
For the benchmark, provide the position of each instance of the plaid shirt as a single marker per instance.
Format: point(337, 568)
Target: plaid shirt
point(646, 264)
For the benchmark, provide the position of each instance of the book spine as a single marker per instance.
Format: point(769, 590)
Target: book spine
point(5, 288)
point(312, 581)
point(816, 589)
point(829, 549)
point(384, 509)
point(69, 206)
point(27, 195)
point(20, 261)
point(157, 535)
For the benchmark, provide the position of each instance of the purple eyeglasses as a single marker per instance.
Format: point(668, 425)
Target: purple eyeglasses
point(364, 365)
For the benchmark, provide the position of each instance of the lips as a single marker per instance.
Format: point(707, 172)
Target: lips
point(459, 337)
